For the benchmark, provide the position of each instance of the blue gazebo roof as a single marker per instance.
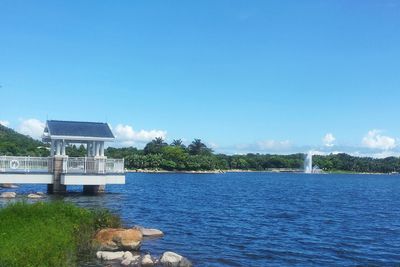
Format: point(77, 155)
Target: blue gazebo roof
point(77, 130)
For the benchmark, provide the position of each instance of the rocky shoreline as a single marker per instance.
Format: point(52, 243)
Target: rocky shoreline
point(37, 195)
point(121, 247)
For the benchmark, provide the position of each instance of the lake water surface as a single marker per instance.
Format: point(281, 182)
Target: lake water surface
point(262, 219)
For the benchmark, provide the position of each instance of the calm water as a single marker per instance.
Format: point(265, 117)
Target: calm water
point(263, 219)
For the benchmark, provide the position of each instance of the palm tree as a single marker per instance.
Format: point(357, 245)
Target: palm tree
point(197, 147)
point(178, 143)
point(155, 146)
point(159, 141)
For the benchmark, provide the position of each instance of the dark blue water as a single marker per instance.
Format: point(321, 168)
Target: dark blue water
point(263, 219)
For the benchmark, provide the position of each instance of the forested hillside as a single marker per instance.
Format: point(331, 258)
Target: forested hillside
point(16, 144)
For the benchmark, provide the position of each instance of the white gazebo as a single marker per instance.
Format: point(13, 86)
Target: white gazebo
point(93, 171)
point(92, 134)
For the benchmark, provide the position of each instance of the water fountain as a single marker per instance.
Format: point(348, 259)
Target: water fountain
point(308, 168)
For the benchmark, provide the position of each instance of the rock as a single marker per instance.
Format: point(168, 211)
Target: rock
point(127, 255)
point(8, 195)
point(8, 185)
point(111, 239)
point(34, 196)
point(149, 232)
point(147, 260)
point(171, 259)
point(40, 193)
point(126, 262)
point(129, 259)
point(108, 256)
point(185, 263)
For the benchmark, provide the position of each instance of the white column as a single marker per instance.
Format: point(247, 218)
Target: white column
point(93, 149)
point(52, 148)
point(63, 147)
point(102, 149)
point(88, 147)
point(97, 149)
point(58, 144)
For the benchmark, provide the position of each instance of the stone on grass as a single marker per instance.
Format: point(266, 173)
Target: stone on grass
point(109, 256)
point(112, 239)
point(8, 195)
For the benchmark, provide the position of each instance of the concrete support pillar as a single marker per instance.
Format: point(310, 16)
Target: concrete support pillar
point(57, 187)
point(93, 189)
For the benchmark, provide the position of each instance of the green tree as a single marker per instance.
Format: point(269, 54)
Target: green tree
point(155, 146)
point(178, 143)
point(198, 148)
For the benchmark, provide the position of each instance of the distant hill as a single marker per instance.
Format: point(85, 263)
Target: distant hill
point(16, 144)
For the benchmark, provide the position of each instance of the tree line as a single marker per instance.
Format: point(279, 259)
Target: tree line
point(158, 154)
point(175, 156)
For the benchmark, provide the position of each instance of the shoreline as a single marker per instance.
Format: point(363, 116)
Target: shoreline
point(160, 171)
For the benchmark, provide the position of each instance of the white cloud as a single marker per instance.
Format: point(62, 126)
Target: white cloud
point(328, 140)
point(274, 145)
point(375, 140)
point(32, 127)
point(127, 136)
point(213, 145)
point(266, 146)
point(4, 123)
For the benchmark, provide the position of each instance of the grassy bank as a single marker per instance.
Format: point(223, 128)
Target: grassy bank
point(48, 233)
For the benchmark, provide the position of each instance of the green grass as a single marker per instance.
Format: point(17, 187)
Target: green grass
point(49, 233)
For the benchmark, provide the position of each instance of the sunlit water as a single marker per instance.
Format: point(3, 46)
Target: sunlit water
point(261, 219)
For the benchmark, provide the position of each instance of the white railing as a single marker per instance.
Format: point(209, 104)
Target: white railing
point(92, 165)
point(26, 164)
point(115, 166)
point(82, 165)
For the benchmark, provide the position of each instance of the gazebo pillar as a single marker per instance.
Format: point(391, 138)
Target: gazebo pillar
point(97, 152)
point(58, 153)
point(58, 147)
point(102, 149)
point(93, 148)
point(88, 149)
point(52, 148)
point(58, 168)
point(63, 147)
point(97, 149)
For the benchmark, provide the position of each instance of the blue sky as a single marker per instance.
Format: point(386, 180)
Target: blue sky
point(262, 76)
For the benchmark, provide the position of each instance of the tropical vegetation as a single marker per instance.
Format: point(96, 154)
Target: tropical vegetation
point(175, 156)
